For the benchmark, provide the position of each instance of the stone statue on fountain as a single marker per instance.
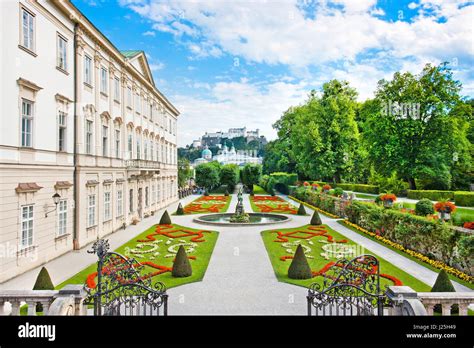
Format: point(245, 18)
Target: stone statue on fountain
point(239, 216)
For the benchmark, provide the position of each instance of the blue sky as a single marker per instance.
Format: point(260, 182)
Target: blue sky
point(243, 63)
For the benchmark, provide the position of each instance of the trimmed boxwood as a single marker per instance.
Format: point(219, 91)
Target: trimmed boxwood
point(299, 268)
point(434, 195)
point(181, 264)
point(165, 218)
point(464, 198)
point(301, 210)
point(424, 207)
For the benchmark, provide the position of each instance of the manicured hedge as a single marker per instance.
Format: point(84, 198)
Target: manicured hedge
point(362, 188)
point(280, 181)
point(429, 237)
point(464, 198)
point(434, 195)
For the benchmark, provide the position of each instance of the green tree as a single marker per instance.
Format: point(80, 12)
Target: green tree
point(181, 264)
point(229, 176)
point(184, 172)
point(208, 175)
point(299, 268)
point(251, 174)
point(409, 130)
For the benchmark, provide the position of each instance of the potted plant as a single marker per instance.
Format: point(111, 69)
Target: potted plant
point(444, 209)
point(315, 186)
point(388, 199)
point(326, 188)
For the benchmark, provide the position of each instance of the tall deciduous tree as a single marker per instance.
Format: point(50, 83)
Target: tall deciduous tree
point(411, 131)
point(208, 175)
point(229, 176)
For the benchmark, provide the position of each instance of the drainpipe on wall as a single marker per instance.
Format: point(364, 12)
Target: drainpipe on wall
point(75, 239)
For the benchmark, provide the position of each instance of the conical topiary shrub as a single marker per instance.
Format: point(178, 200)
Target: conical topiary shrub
point(301, 210)
point(165, 218)
point(180, 210)
point(315, 219)
point(299, 268)
point(43, 282)
point(443, 284)
point(181, 264)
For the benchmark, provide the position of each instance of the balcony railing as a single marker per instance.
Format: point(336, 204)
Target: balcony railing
point(142, 164)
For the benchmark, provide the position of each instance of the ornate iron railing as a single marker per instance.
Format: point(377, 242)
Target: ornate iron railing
point(349, 287)
point(121, 289)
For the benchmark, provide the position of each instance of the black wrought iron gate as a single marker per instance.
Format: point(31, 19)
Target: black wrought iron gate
point(349, 287)
point(121, 289)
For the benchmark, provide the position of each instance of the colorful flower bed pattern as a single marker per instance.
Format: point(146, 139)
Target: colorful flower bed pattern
point(415, 254)
point(208, 204)
point(272, 204)
point(164, 241)
point(334, 249)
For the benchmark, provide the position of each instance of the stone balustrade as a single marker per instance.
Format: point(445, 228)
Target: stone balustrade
point(446, 300)
point(67, 301)
point(406, 301)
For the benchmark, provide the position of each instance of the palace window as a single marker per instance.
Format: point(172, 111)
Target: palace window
point(119, 203)
point(26, 226)
point(151, 112)
point(138, 148)
point(107, 210)
point(89, 134)
point(26, 123)
point(158, 192)
point(62, 53)
point(145, 156)
point(131, 201)
point(153, 193)
point(88, 69)
point(117, 143)
point(90, 210)
point(137, 103)
point(62, 130)
point(129, 97)
point(105, 140)
point(62, 217)
point(103, 80)
point(147, 198)
point(28, 29)
point(117, 89)
point(130, 146)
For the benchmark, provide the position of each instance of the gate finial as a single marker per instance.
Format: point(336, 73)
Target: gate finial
point(100, 247)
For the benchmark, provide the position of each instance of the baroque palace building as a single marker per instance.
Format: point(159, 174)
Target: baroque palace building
point(88, 143)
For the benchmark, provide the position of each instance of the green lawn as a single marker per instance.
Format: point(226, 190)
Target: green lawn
point(259, 190)
point(460, 216)
point(365, 196)
point(279, 205)
point(208, 205)
point(427, 265)
point(276, 250)
point(202, 252)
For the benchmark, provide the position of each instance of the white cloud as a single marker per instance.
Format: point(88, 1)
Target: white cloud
point(149, 33)
point(156, 66)
point(236, 104)
point(279, 32)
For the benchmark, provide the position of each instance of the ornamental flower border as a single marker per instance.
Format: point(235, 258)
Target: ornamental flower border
point(283, 207)
point(217, 204)
point(415, 254)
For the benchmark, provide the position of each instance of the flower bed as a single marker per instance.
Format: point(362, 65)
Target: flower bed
point(208, 204)
point(437, 264)
point(323, 247)
point(156, 249)
point(271, 204)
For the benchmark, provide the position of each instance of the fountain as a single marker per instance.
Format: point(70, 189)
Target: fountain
point(240, 217)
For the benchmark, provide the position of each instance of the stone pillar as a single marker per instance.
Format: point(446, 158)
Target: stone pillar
point(15, 307)
point(446, 309)
point(31, 307)
point(405, 301)
point(429, 308)
point(463, 309)
point(2, 308)
point(45, 305)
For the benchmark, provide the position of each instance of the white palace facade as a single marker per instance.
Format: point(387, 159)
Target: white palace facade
point(88, 143)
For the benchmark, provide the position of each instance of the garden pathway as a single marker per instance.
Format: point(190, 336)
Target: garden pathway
point(240, 278)
point(411, 267)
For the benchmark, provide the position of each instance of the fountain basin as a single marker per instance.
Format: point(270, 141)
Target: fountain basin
point(255, 219)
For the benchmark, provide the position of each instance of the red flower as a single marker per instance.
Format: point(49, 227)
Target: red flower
point(444, 207)
point(388, 197)
point(306, 183)
point(327, 187)
point(469, 225)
